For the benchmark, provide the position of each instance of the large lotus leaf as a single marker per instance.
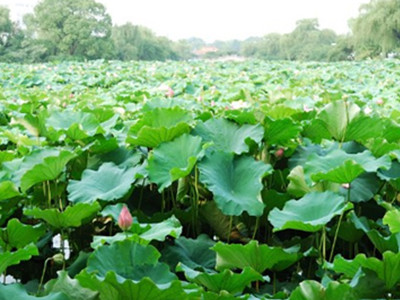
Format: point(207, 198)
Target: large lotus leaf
point(129, 260)
point(226, 280)
point(38, 166)
point(337, 115)
point(110, 288)
point(382, 243)
point(259, 257)
point(8, 190)
point(280, 131)
point(71, 287)
point(341, 167)
point(49, 169)
point(387, 269)
point(391, 174)
point(309, 213)
point(363, 188)
point(173, 160)
point(194, 253)
point(280, 111)
point(77, 125)
point(235, 182)
point(159, 125)
point(362, 128)
point(18, 292)
point(316, 131)
point(72, 216)
point(298, 186)
point(108, 183)
point(313, 290)
point(145, 233)
point(18, 235)
point(392, 219)
point(228, 136)
point(8, 258)
point(367, 285)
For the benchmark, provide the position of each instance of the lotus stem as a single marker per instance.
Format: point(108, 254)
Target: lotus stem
point(42, 277)
point(335, 237)
point(256, 228)
point(230, 228)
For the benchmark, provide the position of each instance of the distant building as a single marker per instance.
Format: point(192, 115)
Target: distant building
point(205, 50)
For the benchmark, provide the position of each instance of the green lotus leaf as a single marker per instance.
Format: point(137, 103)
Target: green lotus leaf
point(111, 288)
point(72, 216)
point(8, 190)
point(40, 165)
point(194, 253)
point(362, 128)
point(71, 287)
point(382, 243)
point(235, 182)
point(228, 136)
point(259, 257)
point(336, 117)
point(112, 210)
point(8, 258)
point(391, 174)
point(309, 213)
point(159, 125)
point(367, 285)
point(280, 131)
point(387, 269)
point(147, 232)
point(17, 292)
point(298, 186)
point(313, 290)
point(363, 188)
point(108, 183)
point(129, 260)
point(392, 219)
point(173, 160)
point(18, 235)
point(49, 169)
point(77, 125)
point(226, 280)
point(341, 167)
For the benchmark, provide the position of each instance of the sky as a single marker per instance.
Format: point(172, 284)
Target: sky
point(220, 19)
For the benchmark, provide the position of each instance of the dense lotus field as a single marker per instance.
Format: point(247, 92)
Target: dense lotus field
point(200, 180)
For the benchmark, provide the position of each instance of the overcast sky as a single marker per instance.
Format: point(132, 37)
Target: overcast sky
point(222, 19)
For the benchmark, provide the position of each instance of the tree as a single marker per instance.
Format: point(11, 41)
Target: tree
point(71, 28)
point(308, 42)
point(11, 38)
point(140, 43)
point(377, 29)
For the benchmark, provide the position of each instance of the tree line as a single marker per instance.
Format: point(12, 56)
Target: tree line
point(83, 30)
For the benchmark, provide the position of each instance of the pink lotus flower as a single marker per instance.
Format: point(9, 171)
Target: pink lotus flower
point(169, 93)
point(379, 101)
point(279, 153)
point(125, 219)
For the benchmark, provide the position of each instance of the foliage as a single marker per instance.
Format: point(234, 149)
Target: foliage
point(377, 29)
point(251, 180)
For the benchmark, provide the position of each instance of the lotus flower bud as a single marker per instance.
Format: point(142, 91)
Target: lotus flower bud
point(379, 101)
point(125, 219)
point(279, 153)
point(58, 258)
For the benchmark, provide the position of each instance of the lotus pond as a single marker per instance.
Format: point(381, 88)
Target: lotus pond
point(200, 180)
